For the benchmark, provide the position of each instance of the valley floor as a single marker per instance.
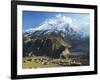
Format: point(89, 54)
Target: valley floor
point(45, 62)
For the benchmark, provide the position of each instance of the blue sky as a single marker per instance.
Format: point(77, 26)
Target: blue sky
point(32, 19)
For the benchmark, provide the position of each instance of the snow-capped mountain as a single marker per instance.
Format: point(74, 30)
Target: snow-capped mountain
point(63, 28)
point(60, 22)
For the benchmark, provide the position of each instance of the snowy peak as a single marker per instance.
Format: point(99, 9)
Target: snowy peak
point(59, 22)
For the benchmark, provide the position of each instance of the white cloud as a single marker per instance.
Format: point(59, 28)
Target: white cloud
point(59, 22)
point(58, 15)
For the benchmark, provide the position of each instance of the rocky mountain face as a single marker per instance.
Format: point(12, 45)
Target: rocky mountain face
point(53, 36)
point(52, 43)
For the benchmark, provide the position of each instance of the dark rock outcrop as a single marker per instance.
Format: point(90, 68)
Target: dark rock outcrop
point(45, 46)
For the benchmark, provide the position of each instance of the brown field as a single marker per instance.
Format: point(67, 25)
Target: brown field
point(45, 62)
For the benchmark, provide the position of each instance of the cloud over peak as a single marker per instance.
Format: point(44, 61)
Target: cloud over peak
point(59, 22)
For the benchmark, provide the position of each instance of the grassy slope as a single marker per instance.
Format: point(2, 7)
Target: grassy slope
point(35, 64)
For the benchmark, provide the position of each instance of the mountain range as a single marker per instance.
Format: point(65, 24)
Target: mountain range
point(63, 28)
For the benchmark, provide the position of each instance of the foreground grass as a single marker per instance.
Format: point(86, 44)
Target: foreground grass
point(34, 62)
point(45, 62)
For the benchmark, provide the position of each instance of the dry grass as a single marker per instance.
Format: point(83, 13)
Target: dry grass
point(34, 62)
